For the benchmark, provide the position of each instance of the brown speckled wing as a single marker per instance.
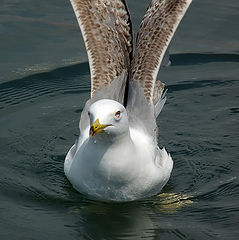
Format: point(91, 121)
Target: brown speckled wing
point(156, 31)
point(106, 29)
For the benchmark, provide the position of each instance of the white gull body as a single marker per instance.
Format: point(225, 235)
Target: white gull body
point(121, 163)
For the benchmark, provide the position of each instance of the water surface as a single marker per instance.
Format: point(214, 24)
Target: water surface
point(44, 83)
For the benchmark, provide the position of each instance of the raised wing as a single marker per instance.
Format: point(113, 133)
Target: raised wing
point(156, 31)
point(106, 29)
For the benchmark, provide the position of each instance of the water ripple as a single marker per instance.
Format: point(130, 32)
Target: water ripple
point(202, 58)
point(67, 80)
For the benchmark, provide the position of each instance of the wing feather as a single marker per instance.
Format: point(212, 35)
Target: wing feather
point(156, 31)
point(106, 29)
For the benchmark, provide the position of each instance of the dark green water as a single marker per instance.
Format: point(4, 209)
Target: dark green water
point(44, 83)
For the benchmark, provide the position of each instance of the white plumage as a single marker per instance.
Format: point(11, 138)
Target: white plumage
point(121, 163)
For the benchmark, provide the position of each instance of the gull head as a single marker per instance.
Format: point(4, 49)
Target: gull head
point(108, 119)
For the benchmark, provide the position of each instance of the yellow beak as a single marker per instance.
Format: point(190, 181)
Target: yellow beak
point(96, 127)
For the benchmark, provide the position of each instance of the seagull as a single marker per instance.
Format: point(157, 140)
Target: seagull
point(117, 157)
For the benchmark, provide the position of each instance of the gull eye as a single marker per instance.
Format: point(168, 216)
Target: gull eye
point(117, 114)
